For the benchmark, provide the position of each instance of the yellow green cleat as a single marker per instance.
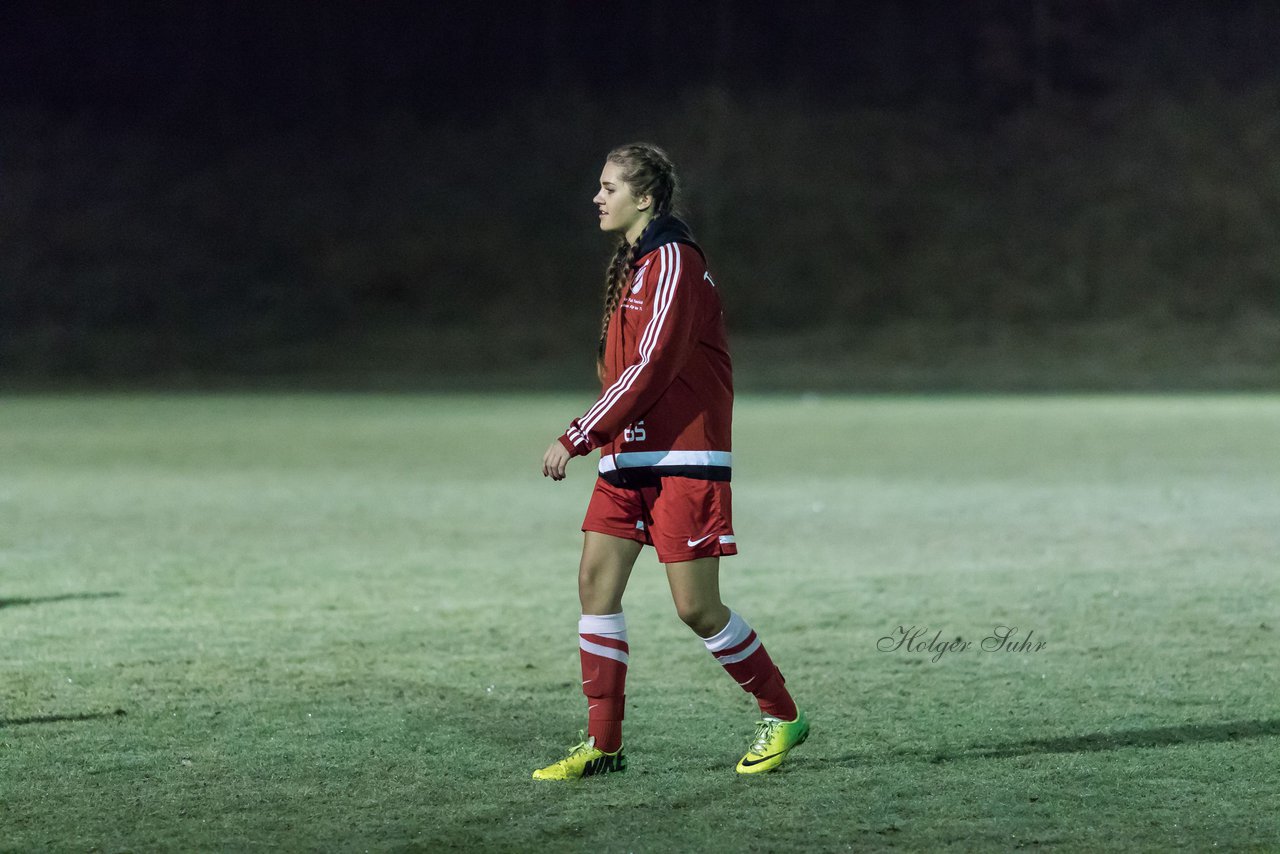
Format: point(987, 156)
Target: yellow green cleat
point(583, 761)
point(774, 740)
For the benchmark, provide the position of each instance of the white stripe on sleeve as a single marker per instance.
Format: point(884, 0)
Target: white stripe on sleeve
point(669, 276)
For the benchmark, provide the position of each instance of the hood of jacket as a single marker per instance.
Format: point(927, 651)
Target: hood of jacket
point(665, 229)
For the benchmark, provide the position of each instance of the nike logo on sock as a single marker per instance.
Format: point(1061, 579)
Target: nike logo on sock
point(692, 543)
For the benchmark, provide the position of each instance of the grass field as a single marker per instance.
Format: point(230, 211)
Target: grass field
point(348, 623)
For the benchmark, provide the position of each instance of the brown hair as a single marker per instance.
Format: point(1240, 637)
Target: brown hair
point(648, 171)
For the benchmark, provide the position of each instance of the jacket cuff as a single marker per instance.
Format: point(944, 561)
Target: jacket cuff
point(575, 449)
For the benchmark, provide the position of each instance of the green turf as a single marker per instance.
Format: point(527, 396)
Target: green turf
point(348, 623)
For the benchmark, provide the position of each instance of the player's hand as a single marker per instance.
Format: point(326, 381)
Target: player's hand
point(554, 461)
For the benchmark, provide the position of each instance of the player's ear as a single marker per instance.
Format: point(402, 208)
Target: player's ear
point(644, 202)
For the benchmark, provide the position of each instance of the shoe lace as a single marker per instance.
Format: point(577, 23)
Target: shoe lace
point(582, 746)
point(764, 733)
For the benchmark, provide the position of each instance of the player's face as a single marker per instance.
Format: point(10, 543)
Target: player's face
point(620, 210)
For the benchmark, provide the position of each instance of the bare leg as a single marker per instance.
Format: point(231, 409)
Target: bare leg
point(603, 572)
point(602, 634)
point(695, 589)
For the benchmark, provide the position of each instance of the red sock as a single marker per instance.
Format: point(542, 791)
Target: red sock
point(740, 652)
point(602, 644)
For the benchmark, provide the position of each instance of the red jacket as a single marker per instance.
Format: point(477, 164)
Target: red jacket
point(666, 408)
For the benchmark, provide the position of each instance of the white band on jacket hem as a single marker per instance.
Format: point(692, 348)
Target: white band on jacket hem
point(645, 459)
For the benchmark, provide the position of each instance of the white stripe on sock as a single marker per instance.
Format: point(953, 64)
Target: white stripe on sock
point(740, 656)
point(602, 651)
point(734, 633)
point(610, 625)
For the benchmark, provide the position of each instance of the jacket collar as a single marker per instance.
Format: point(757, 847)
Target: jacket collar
point(665, 229)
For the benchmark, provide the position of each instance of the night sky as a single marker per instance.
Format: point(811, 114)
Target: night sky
point(204, 181)
point(197, 63)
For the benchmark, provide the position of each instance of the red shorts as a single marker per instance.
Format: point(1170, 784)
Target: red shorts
point(682, 518)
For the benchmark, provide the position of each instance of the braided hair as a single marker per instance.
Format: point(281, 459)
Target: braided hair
point(647, 171)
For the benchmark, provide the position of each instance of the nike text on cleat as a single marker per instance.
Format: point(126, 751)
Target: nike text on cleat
point(774, 739)
point(583, 761)
point(692, 543)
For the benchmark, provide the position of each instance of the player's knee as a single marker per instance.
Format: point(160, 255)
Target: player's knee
point(590, 577)
point(702, 617)
point(588, 588)
point(596, 592)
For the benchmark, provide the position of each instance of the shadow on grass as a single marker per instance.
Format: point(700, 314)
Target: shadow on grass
point(1167, 736)
point(1155, 737)
point(62, 597)
point(60, 719)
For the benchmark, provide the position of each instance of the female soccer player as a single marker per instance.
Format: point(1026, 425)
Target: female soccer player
point(662, 424)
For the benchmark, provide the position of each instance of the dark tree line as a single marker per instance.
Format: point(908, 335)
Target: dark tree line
point(204, 63)
point(186, 179)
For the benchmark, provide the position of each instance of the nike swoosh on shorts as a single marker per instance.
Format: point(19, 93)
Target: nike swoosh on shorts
point(692, 543)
